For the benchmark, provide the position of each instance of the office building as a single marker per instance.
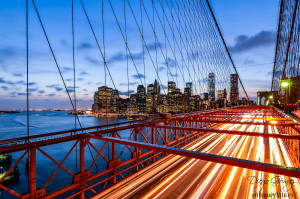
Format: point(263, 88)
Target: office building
point(211, 86)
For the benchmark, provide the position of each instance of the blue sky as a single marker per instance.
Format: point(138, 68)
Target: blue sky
point(248, 26)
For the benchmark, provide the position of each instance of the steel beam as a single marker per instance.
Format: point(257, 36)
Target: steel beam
point(282, 136)
point(247, 164)
point(234, 122)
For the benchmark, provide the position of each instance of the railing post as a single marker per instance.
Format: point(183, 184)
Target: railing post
point(32, 172)
point(81, 165)
point(176, 134)
point(166, 137)
point(267, 154)
point(114, 157)
point(153, 142)
point(136, 138)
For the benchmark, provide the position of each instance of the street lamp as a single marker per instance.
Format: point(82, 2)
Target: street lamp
point(284, 84)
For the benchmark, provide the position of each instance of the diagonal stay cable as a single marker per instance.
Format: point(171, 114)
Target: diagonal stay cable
point(189, 59)
point(93, 32)
point(156, 69)
point(156, 38)
point(52, 52)
point(116, 18)
point(183, 60)
point(125, 42)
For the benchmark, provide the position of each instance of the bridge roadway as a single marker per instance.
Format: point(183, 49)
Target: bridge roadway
point(179, 177)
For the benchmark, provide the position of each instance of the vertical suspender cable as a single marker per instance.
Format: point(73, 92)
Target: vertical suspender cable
point(73, 46)
point(27, 90)
point(104, 60)
point(229, 55)
point(27, 70)
point(165, 34)
point(126, 45)
point(142, 35)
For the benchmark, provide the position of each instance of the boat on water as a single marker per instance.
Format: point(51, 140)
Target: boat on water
point(5, 160)
point(10, 178)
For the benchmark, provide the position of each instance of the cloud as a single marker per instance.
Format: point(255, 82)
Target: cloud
point(22, 94)
point(161, 68)
point(51, 95)
point(83, 73)
point(30, 83)
point(80, 79)
point(8, 53)
point(3, 81)
point(41, 91)
point(66, 69)
point(138, 76)
point(126, 92)
point(92, 61)
point(244, 42)
point(85, 46)
point(119, 57)
point(32, 89)
point(173, 75)
point(57, 87)
point(71, 89)
point(5, 88)
point(17, 75)
point(130, 84)
point(171, 62)
point(151, 46)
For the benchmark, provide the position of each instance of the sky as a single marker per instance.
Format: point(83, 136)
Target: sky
point(248, 26)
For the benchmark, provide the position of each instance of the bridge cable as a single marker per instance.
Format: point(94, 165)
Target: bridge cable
point(125, 18)
point(27, 86)
point(96, 40)
point(125, 40)
point(175, 40)
point(74, 72)
point(56, 63)
point(154, 32)
point(143, 47)
point(224, 43)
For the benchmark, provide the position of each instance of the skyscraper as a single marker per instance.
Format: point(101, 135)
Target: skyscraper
point(211, 86)
point(171, 86)
point(189, 85)
point(141, 99)
point(115, 101)
point(102, 100)
point(156, 88)
point(150, 89)
point(234, 89)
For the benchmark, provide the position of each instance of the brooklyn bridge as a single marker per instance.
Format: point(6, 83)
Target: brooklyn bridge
point(190, 144)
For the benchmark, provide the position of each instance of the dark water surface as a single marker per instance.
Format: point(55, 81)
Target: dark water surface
point(15, 125)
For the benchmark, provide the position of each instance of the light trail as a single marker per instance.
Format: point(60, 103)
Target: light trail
point(180, 177)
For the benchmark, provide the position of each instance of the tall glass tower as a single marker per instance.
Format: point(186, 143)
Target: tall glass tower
point(211, 86)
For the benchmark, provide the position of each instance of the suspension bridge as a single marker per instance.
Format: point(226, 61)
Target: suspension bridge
point(232, 150)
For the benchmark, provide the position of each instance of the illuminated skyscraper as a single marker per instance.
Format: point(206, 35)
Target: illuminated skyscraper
point(211, 86)
point(234, 88)
point(171, 86)
point(141, 99)
point(189, 85)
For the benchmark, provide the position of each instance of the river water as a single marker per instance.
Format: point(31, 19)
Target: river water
point(15, 125)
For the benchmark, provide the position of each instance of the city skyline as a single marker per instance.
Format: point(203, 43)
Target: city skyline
point(149, 99)
point(44, 93)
